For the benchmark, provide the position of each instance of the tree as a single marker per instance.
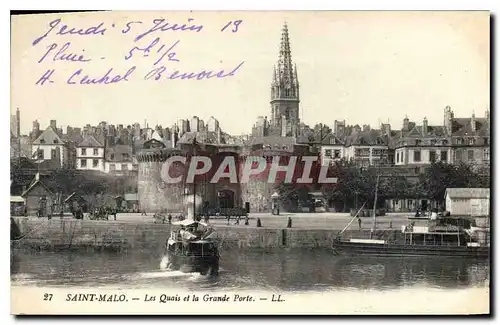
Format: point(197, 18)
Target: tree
point(439, 176)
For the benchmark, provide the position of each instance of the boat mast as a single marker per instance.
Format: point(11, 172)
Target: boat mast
point(374, 225)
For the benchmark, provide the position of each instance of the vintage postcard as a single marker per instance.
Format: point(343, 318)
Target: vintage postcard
point(250, 163)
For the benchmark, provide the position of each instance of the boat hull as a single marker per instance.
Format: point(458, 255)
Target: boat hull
point(205, 265)
point(401, 250)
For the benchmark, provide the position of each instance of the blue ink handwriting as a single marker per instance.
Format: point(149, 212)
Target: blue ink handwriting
point(65, 29)
point(161, 72)
point(146, 51)
point(61, 55)
point(161, 25)
point(236, 24)
point(106, 79)
point(128, 26)
point(45, 78)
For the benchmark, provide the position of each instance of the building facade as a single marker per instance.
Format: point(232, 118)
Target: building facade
point(90, 154)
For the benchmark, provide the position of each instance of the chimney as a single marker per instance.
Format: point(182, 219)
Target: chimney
point(283, 126)
point(473, 123)
point(18, 122)
point(53, 124)
point(406, 124)
point(218, 136)
point(425, 127)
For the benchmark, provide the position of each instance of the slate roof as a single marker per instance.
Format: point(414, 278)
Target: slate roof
point(463, 126)
point(432, 132)
point(49, 136)
point(89, 141)
point(201, 137)
point(272, 140)
point(116, 153)
point(468, 193)
point(34, 183)
point(366, 138)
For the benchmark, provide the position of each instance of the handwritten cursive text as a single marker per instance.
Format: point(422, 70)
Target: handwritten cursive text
point(66, 30)
point(162, 73)
point(162, 25)
point(61, 55)
point(161, 51)
point(109, 78)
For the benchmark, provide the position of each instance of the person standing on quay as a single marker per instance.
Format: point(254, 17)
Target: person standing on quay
point(289, 225)
point(359, 223)
point(259, 223)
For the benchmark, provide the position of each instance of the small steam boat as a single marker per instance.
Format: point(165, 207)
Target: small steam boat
point(191, 248)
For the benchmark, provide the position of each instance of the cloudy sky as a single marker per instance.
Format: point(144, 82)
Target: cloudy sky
point(362, 67)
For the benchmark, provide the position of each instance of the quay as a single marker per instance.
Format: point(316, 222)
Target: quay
point(133, 231)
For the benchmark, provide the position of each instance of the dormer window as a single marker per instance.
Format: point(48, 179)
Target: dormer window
point(471, 140)
point(460, 141)
point(433, 142)
point(56, 141)
point(445, 142)
point(42, 141)
point(418, 142)
point(112, 156)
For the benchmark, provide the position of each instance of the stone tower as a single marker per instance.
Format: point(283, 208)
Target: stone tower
point(285, 91)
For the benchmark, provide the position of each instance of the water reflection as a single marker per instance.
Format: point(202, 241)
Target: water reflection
point(297, 270)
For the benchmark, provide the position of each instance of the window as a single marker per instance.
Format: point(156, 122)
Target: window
point(470, 155)
point(444, 156)
point(53, 153)
point(95, 163)
point(432, 156)
point(416, 155)
point(84, 152)
point(328, 153)
point(83, 162)
point(460, 141)
point(445, 142)
point(471, 140)
point(124, 167)
point(433, 142)
point(486, 141)
point(112, 156)
point(56, 141)
point(42, 141)
point(486, 154)
point(40, 154)
point(336, 154)
point(458, 155)
point(96, 151)
point(112, 167)
point(418, 142)
point(397, 157)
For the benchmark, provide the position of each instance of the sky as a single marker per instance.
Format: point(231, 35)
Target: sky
point(361, 67)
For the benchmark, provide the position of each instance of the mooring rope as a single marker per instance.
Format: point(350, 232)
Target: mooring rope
point(29, 232)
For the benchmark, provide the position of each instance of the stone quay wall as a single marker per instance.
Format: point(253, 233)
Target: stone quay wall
point(72, 234)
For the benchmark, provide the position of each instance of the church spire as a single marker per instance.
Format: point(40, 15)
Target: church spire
point(285, 83)
point(285, 89)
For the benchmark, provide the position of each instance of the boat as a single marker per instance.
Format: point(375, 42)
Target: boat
point(192, 249)
point(435, 239)
point(439, 236)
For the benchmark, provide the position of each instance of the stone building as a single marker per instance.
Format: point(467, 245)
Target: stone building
point(272, 138)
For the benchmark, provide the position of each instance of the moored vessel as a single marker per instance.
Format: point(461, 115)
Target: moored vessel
point(193, 247)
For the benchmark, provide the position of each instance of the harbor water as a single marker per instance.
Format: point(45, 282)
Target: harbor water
point(294, 270)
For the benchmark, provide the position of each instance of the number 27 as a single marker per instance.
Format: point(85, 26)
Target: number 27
point(236, 24)
point(47, 297)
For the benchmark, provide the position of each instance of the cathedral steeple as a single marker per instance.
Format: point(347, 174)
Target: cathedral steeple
point(285, 89)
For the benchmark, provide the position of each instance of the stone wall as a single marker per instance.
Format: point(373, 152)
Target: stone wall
point(71, 233)
point(154, 195)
